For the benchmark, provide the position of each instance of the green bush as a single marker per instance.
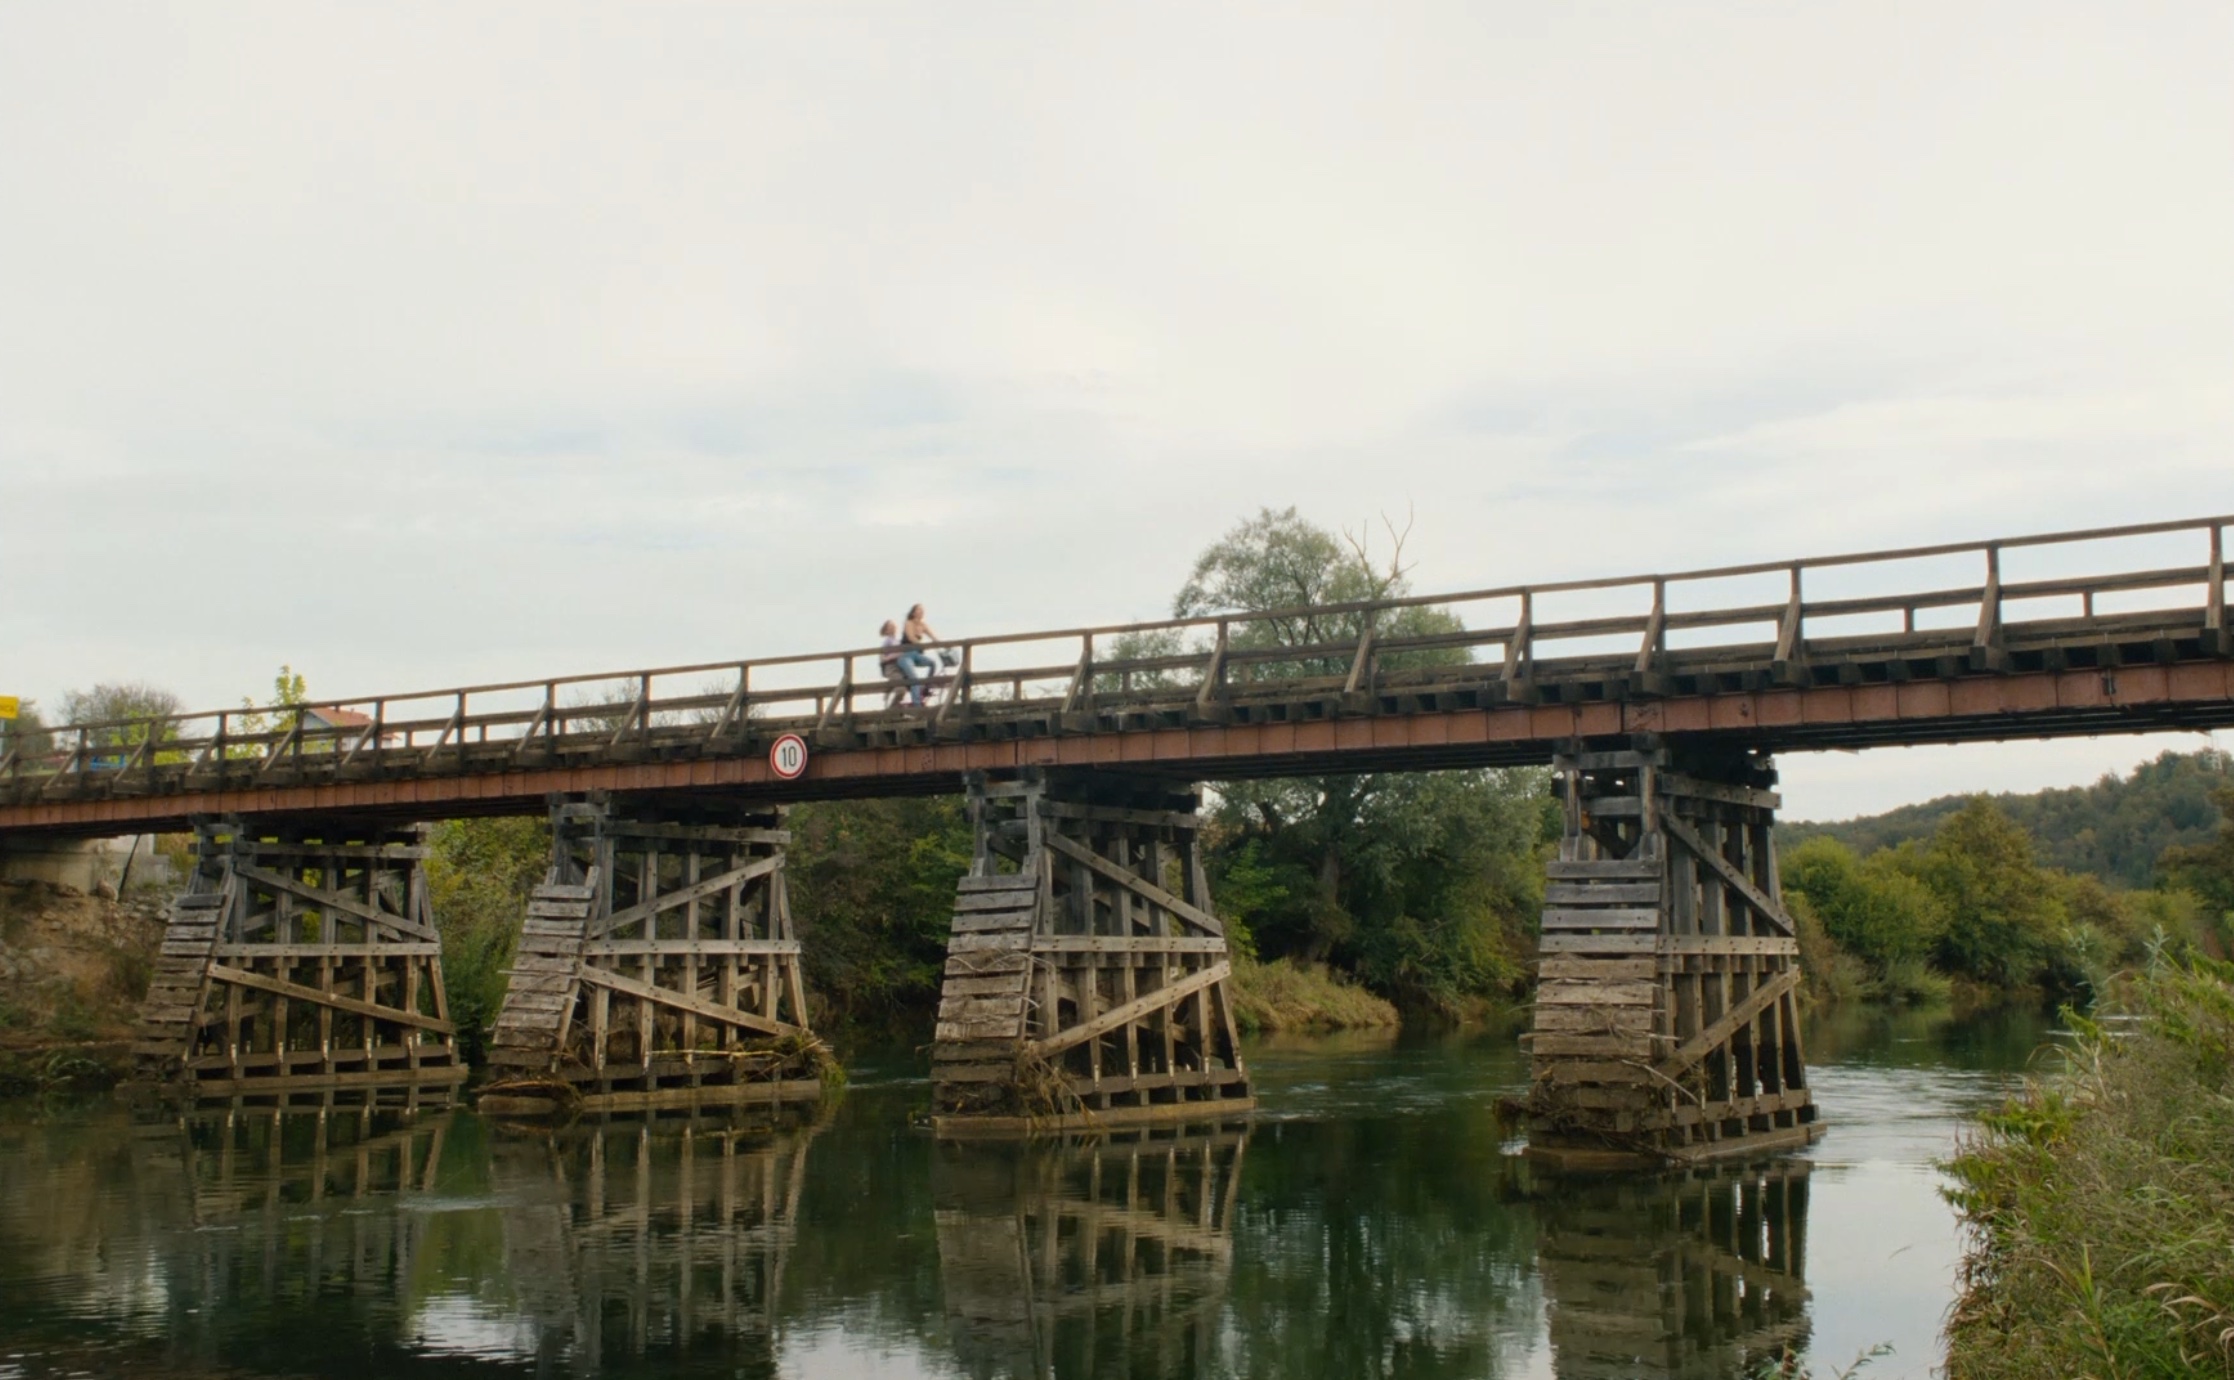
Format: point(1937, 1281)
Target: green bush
point(1873, 910)
point(480, 873)
point(872, 896)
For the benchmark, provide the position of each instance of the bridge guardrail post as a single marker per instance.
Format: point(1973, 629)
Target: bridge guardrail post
point(1986, 653)
point(2214, 599)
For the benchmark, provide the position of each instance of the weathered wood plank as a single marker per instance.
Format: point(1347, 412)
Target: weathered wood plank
point(1557, 969)
point(1585, 1019)
point(1625, 1046)
point(1017, 940)
point(1602, 894)
point(999, 922)
point(982, 962)
point(1571, 993)
point(1010, 984)
point(1615, 870)
point(1607, 919)
point(1599, 943)
point(1014, 881)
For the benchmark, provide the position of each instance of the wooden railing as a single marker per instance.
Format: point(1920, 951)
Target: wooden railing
point(1982, 602)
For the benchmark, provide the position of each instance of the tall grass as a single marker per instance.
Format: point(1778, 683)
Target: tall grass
point(2100, 1203)
point(1286, 995)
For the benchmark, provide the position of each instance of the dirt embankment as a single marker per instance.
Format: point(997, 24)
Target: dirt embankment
point(73, 968)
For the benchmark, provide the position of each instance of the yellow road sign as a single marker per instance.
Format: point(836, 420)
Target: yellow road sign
point(10, 706)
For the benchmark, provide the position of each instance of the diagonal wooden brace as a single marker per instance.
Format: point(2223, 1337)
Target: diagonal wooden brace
point(1119, 1016)
point(1727, 871)
point(1691, 1051)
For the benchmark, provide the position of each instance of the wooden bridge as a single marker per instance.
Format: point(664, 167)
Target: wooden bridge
point(1087, 959)
point(2123, 630)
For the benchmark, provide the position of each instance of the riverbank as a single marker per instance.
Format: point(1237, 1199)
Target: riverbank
point(73, 968)
point(1286, 996)
point(2100, 1202)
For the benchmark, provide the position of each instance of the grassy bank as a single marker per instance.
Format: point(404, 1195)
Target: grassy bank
point(1285, 995)
point(2100, 1204)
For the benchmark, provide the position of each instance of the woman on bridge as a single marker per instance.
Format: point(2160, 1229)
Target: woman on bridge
point(917, 634)
point(906, 668)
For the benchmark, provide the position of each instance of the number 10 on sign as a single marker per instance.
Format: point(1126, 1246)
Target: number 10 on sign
point(787, 756)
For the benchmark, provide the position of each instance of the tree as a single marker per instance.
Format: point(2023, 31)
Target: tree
point(1874, 910)
point(25, 736)
point(2004, 913)
point(1421, 885)
point(109, 703)
point(872, 894)
point(2207, 868)
point(118, 716)
point(289, 694)
point(480, 873)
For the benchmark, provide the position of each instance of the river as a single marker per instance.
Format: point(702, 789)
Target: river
point(1375, 1218)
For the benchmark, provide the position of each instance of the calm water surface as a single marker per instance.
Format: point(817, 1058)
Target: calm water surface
point(1374, 1219)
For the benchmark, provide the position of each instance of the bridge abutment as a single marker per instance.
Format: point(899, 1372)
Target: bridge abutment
point(299, 957)
point(1667, 1018)
point(657, 968)
point(1086, 979)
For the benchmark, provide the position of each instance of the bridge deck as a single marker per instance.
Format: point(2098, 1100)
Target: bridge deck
point(2113, 630)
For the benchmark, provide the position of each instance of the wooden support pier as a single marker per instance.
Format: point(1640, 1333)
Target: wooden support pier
point(299, 959)
point(1666, 1023)
point(657, 969)
point(1086, 976)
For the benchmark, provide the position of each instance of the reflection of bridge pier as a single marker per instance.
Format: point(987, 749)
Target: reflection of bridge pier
point(634, 1238)
point(1107, 1258)
point(1683, 1278)
point(266, 1218)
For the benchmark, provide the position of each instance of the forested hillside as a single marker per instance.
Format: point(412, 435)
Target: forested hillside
point(2116, 829)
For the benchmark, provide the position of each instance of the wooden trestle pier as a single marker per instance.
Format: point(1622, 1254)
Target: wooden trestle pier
point(1086, 977)
point(1666, 1020)
point(658, 968)
point(297, 959)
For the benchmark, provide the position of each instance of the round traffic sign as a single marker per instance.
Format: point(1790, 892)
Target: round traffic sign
point(787, 756)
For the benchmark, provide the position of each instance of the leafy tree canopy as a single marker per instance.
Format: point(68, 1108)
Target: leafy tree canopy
point(1422, 885)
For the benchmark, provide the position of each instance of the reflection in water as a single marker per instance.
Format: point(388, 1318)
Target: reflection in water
point(627, 1240)
point(1379, 1223)
point(1105, 1258)
point(1696, 1275)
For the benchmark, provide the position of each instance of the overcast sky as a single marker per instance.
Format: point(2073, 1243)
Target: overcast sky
point(420, 345)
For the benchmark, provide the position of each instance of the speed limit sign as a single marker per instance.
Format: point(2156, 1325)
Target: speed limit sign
point(787, 756)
